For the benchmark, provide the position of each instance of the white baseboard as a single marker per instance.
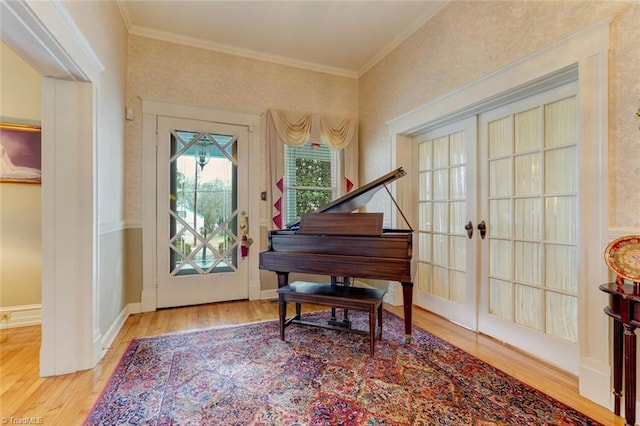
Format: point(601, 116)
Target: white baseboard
point(595, 382)
point(112, 333)
point(21, 316)
point(269, 294)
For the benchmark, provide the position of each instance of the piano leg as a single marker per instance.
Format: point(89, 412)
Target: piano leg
point(283, 279)
point(345, 322)
point(407, 301)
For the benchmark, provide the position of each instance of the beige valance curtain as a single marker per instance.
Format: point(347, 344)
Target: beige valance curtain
point(294, 129)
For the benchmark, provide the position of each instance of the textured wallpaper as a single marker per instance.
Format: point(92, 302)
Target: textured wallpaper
point(189, 75)
point(468, 40)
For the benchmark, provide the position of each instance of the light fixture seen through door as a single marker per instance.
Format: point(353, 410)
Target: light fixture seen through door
point(204, 147)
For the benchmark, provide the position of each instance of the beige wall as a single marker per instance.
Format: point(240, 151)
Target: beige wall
point(468, 40)
point(20, 206)
point(193, 76)
point(188, 75)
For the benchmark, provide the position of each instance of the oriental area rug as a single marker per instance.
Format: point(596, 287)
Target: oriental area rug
point(245, 375)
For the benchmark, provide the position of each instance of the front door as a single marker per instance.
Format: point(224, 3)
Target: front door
point(202, 211)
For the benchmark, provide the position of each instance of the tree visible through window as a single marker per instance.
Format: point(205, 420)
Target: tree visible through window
point(310, 179)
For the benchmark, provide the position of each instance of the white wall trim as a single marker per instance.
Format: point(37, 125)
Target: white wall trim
point(588, 49)
point(50, 42)
point(21, 316)
point(69, 271)
point(110, 336)
point(48, 39)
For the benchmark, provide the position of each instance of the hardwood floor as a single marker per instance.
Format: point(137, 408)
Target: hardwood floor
point(67, 400)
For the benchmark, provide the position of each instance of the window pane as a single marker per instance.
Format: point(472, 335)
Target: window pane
point(309, 179)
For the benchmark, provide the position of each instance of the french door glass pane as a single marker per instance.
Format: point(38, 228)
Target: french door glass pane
point(440, 283)
point(458, 253)
point(527, 263)
point(560, 261)
point(425, 186)
point(500, 215)
point(560, 215)
point(457, 291)
point(560, 123)
point(528, 218)
point(441, 184)
point(458, 216)
point(527, 130)
point(560, 171)
point(528, 174)
point(441, 152)
point(500, 179)
point(424, 277)
point(563, 326)
point(500, 137)
point(426, 222)
point(424, 155)
point(425, 247)
point(500, 253)
point(440, 250)
point(500, 299)
point(528, 307)
point(458, 182)
point(440, 217)
point(457, 149)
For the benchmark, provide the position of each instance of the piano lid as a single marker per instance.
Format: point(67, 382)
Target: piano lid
point(357, 198)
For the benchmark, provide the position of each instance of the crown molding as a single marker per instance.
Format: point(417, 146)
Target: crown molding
point(246, 53)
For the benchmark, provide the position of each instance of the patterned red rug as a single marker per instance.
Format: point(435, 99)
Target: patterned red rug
point(245, 375)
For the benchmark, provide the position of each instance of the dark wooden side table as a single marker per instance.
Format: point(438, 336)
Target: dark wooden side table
point(624, 308)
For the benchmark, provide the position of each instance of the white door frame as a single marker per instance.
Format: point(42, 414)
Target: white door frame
point(585, 51)
point(151, 109)
point(44, 35)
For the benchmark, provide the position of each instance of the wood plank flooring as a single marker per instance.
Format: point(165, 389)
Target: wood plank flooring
point(67, 399)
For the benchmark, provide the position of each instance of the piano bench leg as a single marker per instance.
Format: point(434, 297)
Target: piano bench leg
point(372, 329)
point(380, 321)
point(283, 314)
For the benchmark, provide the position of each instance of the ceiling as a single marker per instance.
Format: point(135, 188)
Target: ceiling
point(334, 36)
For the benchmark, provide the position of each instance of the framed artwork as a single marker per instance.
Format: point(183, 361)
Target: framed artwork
point(20, 153)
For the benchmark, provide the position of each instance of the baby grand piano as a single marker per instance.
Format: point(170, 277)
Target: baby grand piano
point(334, 241)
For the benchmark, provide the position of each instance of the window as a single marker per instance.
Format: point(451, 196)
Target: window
point(310, 179)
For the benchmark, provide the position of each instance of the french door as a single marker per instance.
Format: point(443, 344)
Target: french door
point(202, 211)
point(446, 201)
point(528, 281)
point(518, 283)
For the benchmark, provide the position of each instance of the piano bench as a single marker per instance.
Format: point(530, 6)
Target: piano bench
point(343, 297)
